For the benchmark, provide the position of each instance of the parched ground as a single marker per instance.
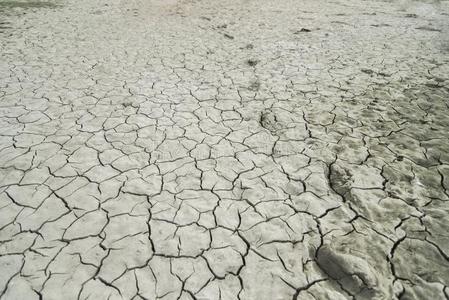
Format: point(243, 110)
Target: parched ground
point(233, 149)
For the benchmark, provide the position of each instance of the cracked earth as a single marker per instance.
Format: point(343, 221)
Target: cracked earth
point(233, 149)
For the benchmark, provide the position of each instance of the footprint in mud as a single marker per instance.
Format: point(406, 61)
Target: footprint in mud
point(27, 4)
point(252, 62)
point(367, 71)
point(302, 30)
point(269, 121)
point(254, 86)
point(247, 47)
point(352, 273)
point(428, 28)
point(381, 25)
point(383, 74)
point(340, 22)
point(4, 25)
point(371, 72)
point(434, 85)
point(127, 104)
point(340, 180)
point(135, 11)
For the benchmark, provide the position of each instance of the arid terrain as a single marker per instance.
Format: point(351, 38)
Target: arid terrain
point(233, 149)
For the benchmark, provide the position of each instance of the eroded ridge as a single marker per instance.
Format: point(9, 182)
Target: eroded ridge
point(224, 150)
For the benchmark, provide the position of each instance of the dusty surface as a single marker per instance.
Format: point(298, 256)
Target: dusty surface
point(224, 150)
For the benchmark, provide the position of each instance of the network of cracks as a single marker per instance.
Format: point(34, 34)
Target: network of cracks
point(234, 149)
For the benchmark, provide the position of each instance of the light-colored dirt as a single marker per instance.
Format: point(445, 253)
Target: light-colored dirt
point(224, 149)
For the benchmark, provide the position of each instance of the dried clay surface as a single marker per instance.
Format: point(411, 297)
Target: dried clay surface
point(233, 149)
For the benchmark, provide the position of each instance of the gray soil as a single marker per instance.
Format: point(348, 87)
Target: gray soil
point(233, 149)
